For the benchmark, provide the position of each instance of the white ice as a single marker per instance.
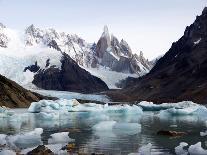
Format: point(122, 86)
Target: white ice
point(60, 138)
point(150, 106)
point(104, 126)
point(23, 140)
point(111, 78)
point(146, 149)
point(203, 133)
point(7, 152)
point(197, 149)
point(62, 105)
point(179, 150)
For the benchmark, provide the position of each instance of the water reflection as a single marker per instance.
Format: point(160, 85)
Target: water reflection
point(125, 137)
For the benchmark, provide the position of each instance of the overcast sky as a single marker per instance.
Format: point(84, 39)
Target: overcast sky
point(147, 25)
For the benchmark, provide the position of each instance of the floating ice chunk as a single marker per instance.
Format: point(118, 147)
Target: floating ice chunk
point(60, 138)
point(3, 139)
point(149, 106)
point(127, 128)
point(179, 150)
point(73, 105)
point(197, 149)
point(48, 105)
point(176, 112)
point(146, 149)
point(203, 133)
point(104, 126)
point(48, 116)
point(5, 112)
point(7, 152)
point(124, 109)
point(25, 140)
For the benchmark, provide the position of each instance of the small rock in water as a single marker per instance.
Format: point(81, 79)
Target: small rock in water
point(41, 150)
point(171, 133)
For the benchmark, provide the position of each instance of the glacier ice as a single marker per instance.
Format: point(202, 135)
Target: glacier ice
point(63, 105)
point(60, 138)
point(23, 140)
point(104, 126)
point(150, 106)
point(179, 150)
point(196, 149)
point(203, 133)
point(7, 152)
point(5, 112)
point(146, 149)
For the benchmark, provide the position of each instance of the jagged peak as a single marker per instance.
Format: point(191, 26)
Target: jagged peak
point(2, 25)
point(204, 11)
point(105, 32)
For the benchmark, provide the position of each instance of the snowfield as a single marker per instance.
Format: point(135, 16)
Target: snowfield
point(111, 78)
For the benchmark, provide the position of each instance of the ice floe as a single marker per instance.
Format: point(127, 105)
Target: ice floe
point(7, 152)
point(63, 105)
point(23, 140)
point(179, 150)
point(150, 106)
point(104, 126)
point(195, 149)
point(60, 138)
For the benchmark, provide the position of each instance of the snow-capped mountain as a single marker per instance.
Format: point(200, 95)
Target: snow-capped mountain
point(40, 49)
point(42, 66)
point(118, 56)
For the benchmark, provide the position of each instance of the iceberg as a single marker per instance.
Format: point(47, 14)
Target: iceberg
point(48, 105)
point(146, 149)
point(3, 139)
point(179, 150)
point(24, 140)
point(7, 152)
point(104, 126)
point(203, 133)
point(150, 106)
point(60, 138)
point(126, 128)
point(5, 112)
point(64, 105)
point(197, 149)
point(177, 112)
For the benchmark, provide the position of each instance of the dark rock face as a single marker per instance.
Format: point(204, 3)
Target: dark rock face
point(33, 68)
point(53, 44)
point(118, 56)
point(14, 96)
point(179, 75)
point(70, 78)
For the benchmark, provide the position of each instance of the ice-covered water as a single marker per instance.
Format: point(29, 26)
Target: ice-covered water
point(118, 129)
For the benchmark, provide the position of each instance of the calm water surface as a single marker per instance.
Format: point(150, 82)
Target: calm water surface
point(124, 140)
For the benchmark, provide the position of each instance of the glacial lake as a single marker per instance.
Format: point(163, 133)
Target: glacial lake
point(126, 138)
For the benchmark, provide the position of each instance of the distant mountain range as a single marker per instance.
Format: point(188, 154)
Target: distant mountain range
point(179, 75)
point(57, 61)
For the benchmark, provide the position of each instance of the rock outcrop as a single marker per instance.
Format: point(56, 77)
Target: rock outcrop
point(14, 96)
point(69, 78)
